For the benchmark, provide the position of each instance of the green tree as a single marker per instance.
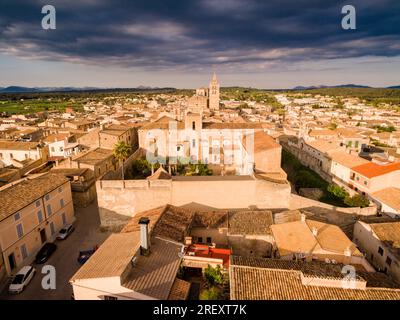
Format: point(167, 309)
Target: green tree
point(213, 276)
point(307, 179)
point(356, 201)
point(141, 168)
point(121, 153)
point(338, 192)
point(199, 169)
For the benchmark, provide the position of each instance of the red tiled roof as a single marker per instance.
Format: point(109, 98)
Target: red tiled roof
point(372, 169)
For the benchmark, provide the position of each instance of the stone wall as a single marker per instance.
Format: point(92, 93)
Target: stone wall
point(298, 202)
point(120, 200)
point(82, 199)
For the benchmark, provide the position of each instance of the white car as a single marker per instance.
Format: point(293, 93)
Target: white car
point(22, 279)
point(65, 232)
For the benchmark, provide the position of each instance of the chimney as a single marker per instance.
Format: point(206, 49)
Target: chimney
point(303, 217)
point(144, 236)
point(188, 241)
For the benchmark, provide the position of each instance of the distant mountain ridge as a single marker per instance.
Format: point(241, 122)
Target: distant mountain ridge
point(19, 89)
point(338, 86)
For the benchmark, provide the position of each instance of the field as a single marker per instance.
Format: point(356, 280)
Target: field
point(36, 105)
point(372, 96)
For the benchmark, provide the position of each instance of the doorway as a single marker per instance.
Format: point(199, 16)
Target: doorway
point(11, 261)
point(43, 236)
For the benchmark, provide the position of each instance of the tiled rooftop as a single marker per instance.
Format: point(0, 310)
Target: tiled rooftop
point(297, 236)
point(389, 196)
point(19, 195)
point(250, 222)
point(180, 290)
point(16, 145)
point(168, 222)
point(389, 234)
point(112, 258)
point(372, 169)
point(154, 275)
point(94, 157)
point(249, 283)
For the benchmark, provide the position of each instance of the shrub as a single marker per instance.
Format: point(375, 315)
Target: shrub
point(306, 179)
point(209, 294)
point(213, 275)
point(199, 169)
point(338, 192)
point(356, 201)
point(141, 168)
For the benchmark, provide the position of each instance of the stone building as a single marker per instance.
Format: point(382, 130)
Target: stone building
point(83, 185)
point(206, 98)
point(32, 212)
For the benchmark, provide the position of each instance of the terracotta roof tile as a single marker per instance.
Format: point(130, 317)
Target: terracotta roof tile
point(372, 169)
point(21, 194)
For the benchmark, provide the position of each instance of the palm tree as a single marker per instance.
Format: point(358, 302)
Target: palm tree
point(121, 153)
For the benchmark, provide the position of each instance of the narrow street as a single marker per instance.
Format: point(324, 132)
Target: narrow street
point(64, 259)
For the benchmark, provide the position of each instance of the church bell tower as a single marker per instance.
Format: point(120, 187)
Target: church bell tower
point(214, 93)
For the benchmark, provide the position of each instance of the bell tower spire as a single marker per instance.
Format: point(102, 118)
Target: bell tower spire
point(214, 93)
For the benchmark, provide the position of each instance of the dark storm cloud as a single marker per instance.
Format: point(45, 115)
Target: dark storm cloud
point(171, 34)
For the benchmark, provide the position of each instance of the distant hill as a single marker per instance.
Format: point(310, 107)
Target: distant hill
point(394, 87)
point(323, 87)
point(18, 89)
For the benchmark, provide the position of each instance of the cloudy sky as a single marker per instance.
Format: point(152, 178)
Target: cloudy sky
point(264, 43)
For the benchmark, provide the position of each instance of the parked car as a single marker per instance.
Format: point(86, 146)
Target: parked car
point(45, 252)
point(65, 232)
point(21, 279)
point(85, 255)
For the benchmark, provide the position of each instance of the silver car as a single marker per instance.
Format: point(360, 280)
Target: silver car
point(65, 232)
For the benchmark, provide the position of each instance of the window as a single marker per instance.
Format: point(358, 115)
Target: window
point(380, 251)
point(200, 239)
point(388, 261)
point(47, 197)
point(26, 156)
point(110, 298)
point(60, 189)
point(17, 216)
point(372, 257)
point(20, 231)
point(49, 209)
point(52, 228)
point(37, 203)
point(193, 125)
point(194, 143)
point(62, 202)
point(11, 156)
point(64, 218)
point(52, 149)
point(356, 144)
point(40, 216)
point(208, 239)
point(24, 252)
point(366, 183)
